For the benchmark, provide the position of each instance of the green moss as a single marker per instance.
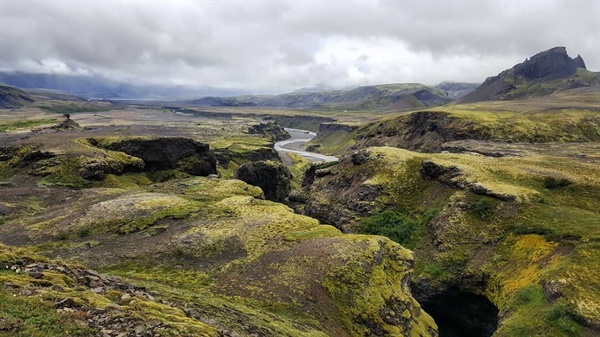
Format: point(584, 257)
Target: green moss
point(535, 314)
point(334, 143)
point(484, 208)
point(297, 169)
point(66, 173)
point(125, 181)
point(240, 144)
point(24, 317)
point(399, 227)
point(25, 124)
point(322, 231)
point(64, 107)
point(552, 182)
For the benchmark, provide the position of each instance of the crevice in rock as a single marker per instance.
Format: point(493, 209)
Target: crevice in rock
point(462, 314)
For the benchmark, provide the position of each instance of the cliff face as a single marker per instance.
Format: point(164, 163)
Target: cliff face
point(551, 64)
point(271, 176)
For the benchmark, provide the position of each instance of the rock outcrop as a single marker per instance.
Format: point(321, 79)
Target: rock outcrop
point(551, 64)
point(271, 176)
point(270, 130)
point(164, 153)
point(553, 67)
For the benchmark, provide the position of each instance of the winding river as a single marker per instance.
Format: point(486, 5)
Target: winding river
point(296, 145)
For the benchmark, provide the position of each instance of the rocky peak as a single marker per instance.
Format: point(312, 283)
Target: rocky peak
point(551, 64)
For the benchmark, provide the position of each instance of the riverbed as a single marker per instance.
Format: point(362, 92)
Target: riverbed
point(296, 145)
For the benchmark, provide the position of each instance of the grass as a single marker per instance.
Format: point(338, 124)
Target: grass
point(24, 317)
point(399, 227)
point(297, 169)
point(333, 143)
point(25, 124)
point(70, 107)
point(535, 315)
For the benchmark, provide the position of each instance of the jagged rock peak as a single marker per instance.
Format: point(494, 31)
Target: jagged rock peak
point(553, 63)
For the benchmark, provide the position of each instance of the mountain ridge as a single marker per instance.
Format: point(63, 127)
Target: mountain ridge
point(396, 96)
point(544, 73)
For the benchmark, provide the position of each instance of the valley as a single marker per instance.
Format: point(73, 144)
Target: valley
point(344, 213)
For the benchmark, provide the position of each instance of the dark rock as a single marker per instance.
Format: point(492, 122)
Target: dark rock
point(65, 303)
point(93, 169)
point(33, 157)
point(482, 190)
point(67, 124)
point(271, 130)
point(298, 196)
point(309, 175)
point(36, 275)
point(28, 292)
point(165, 153)
point(360, 157)
point(271, 176)
point(551, 64)
point(442, 173)
point(553, 289)
point(323, 172)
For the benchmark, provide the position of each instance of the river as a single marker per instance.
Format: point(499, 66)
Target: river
point(296, 145)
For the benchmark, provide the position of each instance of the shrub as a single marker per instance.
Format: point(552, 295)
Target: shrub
point(399, 227)
point(83, 232)
point(553, 183)
point(483, 208)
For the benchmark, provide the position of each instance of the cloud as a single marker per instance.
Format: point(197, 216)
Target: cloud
point(279, 46)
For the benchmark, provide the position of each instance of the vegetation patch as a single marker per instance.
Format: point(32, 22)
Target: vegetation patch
point(32, 316)
point(553, 183)
point(25, 124)
point(399, 227)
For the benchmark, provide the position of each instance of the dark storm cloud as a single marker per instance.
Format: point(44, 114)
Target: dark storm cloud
point(277, 46)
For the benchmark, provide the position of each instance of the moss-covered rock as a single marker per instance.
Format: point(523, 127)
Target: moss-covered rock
point(499, 231)
point(215, 257)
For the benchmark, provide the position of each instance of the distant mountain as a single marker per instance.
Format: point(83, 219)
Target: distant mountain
point(457, 90)
point(543, 74)
point(98, 87)
point(376, 97)
point(11, 97)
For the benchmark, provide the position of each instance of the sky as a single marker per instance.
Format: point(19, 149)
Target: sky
point(280, 46)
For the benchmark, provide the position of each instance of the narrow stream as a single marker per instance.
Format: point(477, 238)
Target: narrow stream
point(296, 145)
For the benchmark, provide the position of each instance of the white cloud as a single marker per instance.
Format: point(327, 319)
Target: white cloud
point(275, 46)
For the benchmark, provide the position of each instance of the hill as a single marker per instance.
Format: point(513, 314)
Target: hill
point(11, 97)
point(457, 90)
point(545, 73)
point(98, 87)
point(377, 97)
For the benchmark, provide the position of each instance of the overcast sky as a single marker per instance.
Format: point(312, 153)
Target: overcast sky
point(277, 46)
